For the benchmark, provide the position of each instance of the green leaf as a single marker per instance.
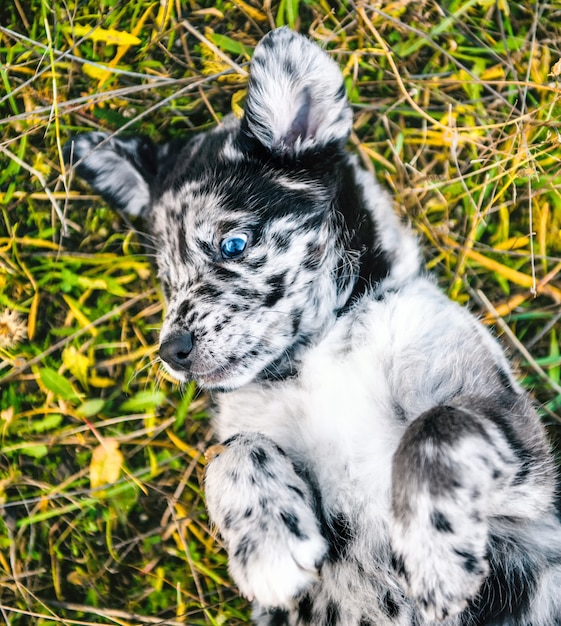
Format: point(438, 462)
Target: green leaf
point(68, 280)
point(183, 406)
point(37, 452)
point(230, 45)
point(143, 400)
point(58, 384)
point(287, 13)
point(48, 423)
point(90, 408)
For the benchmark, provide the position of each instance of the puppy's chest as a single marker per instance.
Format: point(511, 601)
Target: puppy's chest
point(346, 390)
point(335, 420)
point(342, 387)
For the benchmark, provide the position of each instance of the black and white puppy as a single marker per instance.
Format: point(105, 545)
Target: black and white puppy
point(379, 464)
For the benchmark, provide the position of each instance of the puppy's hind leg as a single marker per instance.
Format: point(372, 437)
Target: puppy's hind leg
point(456, 469)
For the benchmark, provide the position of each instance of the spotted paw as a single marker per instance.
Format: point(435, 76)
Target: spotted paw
point(264, 512)
point(440, 554)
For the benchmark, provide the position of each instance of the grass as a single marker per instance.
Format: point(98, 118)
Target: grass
point(457, 108)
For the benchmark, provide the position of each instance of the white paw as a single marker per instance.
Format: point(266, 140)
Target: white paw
point(264, 512)
point(274, 568)
point(440, 559)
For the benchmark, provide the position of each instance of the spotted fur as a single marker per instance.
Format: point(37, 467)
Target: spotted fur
point(380, 465)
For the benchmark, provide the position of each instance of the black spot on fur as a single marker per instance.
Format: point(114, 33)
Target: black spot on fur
point(297, 491)
point(281, 241)
point(522, 473)
point(243, 549)
point(364, 621)
point(269, 43)
point(184, 252)
point(296, 321)
point(231, 439)
point(332, 614)
point(341, 92)
point(291, 522)
point(183, 310)
point(289, 67)
point(398, 565)
point(314, 251)
point(206, 291)
point(399, 412)
point(305, 609)
point(440, 522)
point(259, 457)
point(338, 533)
point(390, 606)
point(278, 617)
point(226, 273)
point(246, 294)
point(277, 290)
point(205, 247)
point(470, 562)
point(280, 451)
point(447, 425)
point(381, 295)
point(256, 263)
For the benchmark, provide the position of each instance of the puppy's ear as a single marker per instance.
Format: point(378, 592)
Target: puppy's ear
point(120, 169)
point(296, 98)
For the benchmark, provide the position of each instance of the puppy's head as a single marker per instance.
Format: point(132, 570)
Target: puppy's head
point(253, 253)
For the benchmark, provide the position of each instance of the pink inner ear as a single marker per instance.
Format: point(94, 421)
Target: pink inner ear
point(300, 127)
point(296, 97)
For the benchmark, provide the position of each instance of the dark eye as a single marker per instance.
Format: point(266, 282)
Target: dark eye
point(233, 246)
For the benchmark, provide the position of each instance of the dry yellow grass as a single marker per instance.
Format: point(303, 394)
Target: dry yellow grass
point(457, 108)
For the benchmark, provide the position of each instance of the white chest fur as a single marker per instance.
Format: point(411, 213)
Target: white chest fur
point(380, 366)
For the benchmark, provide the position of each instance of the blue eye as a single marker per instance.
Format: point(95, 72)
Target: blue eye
point(233, 246)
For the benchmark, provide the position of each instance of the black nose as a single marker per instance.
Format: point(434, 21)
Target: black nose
point(175, 351)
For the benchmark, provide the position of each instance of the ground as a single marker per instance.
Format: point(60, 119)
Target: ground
point(458, 110)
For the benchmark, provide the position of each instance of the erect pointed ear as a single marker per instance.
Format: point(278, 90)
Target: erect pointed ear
point(296, 98)
point(121, 169)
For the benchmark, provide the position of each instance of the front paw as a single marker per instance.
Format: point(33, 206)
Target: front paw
point(264, 512)
point(441, 561)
